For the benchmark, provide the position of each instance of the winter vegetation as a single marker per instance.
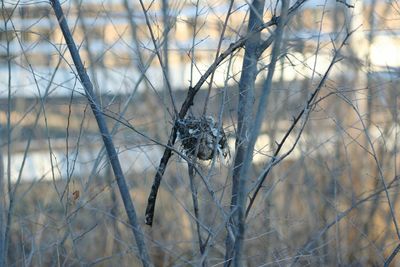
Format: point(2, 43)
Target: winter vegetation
point(199, 133)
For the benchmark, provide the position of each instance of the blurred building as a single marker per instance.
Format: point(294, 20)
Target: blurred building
point(117, 49)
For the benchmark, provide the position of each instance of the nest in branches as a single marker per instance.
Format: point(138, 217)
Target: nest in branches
point(201, 137)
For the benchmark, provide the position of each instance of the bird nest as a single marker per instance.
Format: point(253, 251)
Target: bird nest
point(202, 137)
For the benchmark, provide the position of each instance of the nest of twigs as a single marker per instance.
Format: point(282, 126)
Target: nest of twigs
point(202, 138)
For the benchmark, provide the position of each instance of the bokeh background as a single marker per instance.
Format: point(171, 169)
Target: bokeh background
point(332, 201)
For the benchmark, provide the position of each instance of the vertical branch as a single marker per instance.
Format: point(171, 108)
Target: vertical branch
point(4, 252)
point(193, 188)
point(157, 52)
point(371, 38)
point(2, 206)
point(108, 142)
point(244, 172)
point(221, 38)
point(368, 121)
point(245, 106)
point(165, 45)
point(192, 49)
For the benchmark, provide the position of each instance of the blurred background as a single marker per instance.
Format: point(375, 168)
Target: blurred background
point(328, 201)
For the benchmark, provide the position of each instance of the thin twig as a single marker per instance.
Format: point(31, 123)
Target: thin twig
point(345, 3)
point(275, 159)
point(378, 165)
point(5, 229)
point(305, 249)
point(193, 188)
point(188, 102)
point(13, 191)
point(392, 255)
point(107, 139)
point(157, 52)
point(221, 38)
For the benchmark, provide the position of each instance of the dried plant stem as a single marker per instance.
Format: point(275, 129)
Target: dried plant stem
point(108, 142)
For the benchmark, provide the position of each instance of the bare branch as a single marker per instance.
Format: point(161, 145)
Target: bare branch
point(306, 110)
point(108, 142)
point(188, 102)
